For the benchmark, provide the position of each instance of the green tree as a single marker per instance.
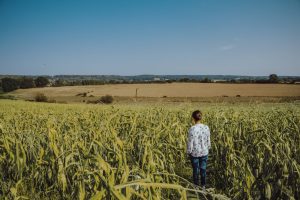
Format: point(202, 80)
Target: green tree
point(206, 80)
point(184, 80)
point(59, 82)
point(273, 78)
point(41, 81)
point(10, 84)
point(26, 82)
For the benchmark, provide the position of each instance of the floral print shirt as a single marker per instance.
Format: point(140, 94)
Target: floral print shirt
point(198, 142)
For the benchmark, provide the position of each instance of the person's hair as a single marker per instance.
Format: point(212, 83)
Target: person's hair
point(197, 115)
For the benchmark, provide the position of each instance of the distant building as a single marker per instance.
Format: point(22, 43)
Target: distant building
point(156, 79)
point(218, 80)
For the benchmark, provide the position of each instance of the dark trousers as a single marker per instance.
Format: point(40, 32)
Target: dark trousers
point(199, 169)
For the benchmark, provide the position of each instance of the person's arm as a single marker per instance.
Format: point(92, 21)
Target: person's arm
point(190, 142)
point(208, 138)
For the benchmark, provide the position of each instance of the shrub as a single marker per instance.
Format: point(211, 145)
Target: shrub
point(84, 94)
point(40, 97)
point(107, 99)
point(92, 101)
point(7, 97)
point(51, 101)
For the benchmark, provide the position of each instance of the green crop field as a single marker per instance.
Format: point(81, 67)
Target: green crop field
point(54, 151)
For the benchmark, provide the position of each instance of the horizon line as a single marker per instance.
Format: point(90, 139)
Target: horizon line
point(147, 75)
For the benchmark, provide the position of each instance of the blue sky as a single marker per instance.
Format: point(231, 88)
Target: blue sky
point(131, 37)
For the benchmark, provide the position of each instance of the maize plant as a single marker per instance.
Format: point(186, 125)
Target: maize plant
point(53, 151)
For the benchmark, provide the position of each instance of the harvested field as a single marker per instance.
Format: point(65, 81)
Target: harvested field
point(169, 90)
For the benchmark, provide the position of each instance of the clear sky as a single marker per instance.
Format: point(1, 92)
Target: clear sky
point(131, 37)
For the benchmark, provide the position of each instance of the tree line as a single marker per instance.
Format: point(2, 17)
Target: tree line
point(10, 84)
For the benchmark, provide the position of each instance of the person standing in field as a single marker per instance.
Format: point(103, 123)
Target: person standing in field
point(198, 145)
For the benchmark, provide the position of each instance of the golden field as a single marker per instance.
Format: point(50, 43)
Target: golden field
point(56, 151)
point(170, 90)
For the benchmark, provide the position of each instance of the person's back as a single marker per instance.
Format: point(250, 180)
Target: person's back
point(198, 146)
point(199, 140)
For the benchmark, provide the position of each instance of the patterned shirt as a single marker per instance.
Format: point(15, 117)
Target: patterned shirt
point(198, 140)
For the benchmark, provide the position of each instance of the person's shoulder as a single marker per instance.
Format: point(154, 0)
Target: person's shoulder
point(204, 126)
point(207, 129)
point(199, 127)
point(193, 128)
